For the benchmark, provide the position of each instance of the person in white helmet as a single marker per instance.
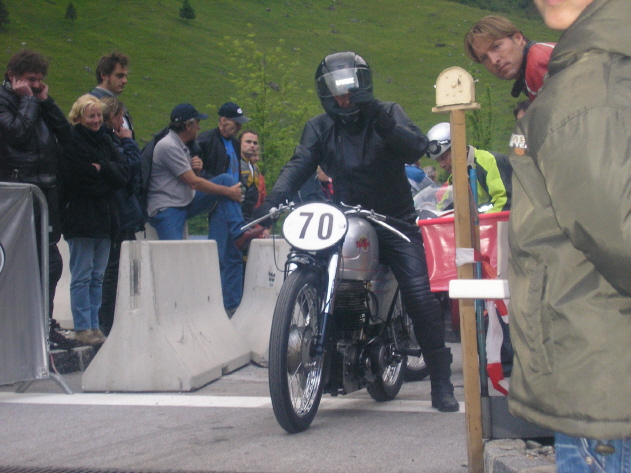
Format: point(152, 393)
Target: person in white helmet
point(493, 170)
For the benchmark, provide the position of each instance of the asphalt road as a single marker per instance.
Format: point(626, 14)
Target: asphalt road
point(227, 426)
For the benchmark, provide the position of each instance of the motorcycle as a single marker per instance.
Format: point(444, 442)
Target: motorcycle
point(338, 324)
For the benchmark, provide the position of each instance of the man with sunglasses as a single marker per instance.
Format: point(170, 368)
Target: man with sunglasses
point(493, 170)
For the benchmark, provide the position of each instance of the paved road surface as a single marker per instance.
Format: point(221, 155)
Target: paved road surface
point(227, 426)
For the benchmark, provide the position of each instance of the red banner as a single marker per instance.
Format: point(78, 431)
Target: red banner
point(440, 246)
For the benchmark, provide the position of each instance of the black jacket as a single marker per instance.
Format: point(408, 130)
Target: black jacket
point(367, 166)
point(88, 205)
point(130, 213)
point(31, 133)
point(213, 154)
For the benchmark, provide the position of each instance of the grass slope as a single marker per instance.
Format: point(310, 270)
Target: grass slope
point(408, 43)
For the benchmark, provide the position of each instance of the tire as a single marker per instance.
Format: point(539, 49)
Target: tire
point(391, 369)
point(415, 367)
point(295, 372)
point(388, 383)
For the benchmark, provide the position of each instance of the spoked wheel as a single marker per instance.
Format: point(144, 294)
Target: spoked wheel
point(389, 378)
point(295, 370)
point(387, 365)
point(415, 367)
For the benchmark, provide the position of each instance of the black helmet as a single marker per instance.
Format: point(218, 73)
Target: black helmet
point(336, 74)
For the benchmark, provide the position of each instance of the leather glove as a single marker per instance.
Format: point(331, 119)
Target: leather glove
point(371, 108)
point(364, 101)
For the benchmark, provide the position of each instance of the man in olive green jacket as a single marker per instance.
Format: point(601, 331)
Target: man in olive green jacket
point(570, 237)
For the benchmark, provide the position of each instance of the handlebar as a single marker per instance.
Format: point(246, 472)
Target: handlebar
point(371, 215)
point(273, 213)
point(375, 217)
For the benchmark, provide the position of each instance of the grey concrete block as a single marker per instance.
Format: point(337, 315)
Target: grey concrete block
point(510, 456)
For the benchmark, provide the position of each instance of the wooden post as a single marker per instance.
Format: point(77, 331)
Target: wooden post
point(455, 93)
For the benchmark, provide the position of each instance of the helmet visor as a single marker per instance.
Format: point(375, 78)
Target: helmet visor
point(339, 81)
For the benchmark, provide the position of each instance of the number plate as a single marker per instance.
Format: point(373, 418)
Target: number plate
point(315, 226)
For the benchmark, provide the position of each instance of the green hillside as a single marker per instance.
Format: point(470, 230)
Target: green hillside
point(408, 43)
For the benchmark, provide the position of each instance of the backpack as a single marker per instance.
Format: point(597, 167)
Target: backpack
point(145, 169)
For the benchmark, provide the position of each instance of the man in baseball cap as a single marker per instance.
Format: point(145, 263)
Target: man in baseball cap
point(220, 151)
point(177, 191)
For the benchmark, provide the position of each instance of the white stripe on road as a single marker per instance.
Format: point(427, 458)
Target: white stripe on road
point(178, 400)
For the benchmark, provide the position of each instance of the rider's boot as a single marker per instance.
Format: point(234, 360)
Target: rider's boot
point(439, 366)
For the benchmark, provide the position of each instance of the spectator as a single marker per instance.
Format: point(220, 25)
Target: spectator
point(363, 144)
point(506, 53)
point(177, 192)
point(326, 183)
point(430, 171)
point(570, 242)
point(520, 109)
point(262, 190)
point(32, 131)
point(417, 178)
point(111, 79)
point(250, 174)
point(493, 169)
point(92, 171)
point(220, 153)
point(130, 213)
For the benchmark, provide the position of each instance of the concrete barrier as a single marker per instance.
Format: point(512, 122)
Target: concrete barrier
point(170, 330)
point(62, 312)
point(263, 280)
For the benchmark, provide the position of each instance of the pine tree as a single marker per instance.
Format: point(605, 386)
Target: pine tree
point(187, 12)
point(4, 15)
point(71, 13)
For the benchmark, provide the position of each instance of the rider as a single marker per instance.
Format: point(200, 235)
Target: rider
point(363, 144)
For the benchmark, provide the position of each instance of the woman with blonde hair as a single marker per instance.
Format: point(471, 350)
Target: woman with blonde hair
point(92, 170)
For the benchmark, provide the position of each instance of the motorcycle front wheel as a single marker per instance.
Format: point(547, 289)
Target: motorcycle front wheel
point(295, 369)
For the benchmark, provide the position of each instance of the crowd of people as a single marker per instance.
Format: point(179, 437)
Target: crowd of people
point(90, 168)
point(564, 180)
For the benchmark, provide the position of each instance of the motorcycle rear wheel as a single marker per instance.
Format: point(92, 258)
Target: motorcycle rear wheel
point(295, 370)
point(388, 382)
point(415, 368)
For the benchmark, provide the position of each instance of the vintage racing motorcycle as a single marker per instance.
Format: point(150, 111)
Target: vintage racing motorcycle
point(339, 323)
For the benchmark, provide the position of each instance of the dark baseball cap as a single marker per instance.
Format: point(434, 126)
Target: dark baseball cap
point(232, 111)
point(184, 112)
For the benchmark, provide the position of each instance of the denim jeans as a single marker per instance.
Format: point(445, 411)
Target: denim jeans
point(221, 228)
point(169, 223)
point(224, 226)
point(88, 260)
point(582, 455)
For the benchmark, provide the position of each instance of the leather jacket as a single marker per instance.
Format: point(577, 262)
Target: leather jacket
point(213, 153)
point(31, 133)
point(366, 162)
point(88, 203)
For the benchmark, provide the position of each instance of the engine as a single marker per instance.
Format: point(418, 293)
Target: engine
point(351, 307)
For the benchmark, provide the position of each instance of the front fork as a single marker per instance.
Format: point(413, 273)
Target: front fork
point(329, 300)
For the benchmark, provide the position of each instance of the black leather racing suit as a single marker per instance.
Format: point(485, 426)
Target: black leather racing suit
point(367, 165)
